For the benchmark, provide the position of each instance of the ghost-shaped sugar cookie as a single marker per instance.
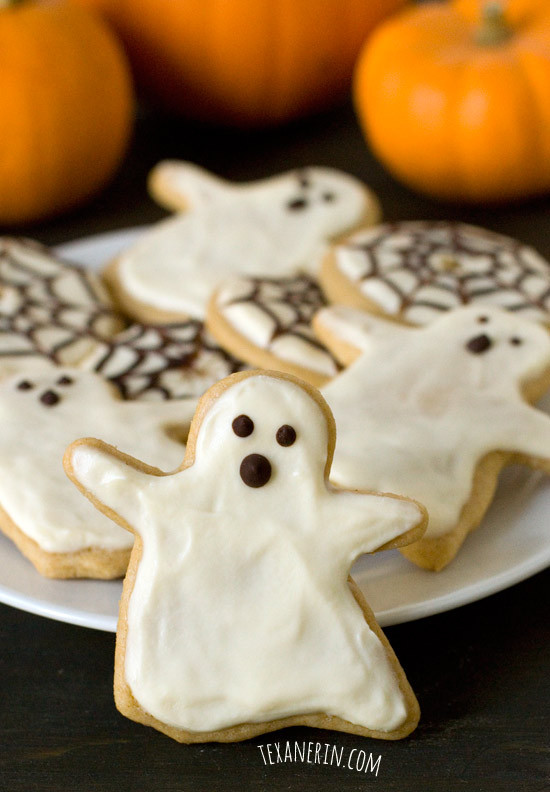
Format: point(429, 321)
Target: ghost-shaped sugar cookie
point(43, 408)
point(276, 227)
point(434, 413)
point(237, 615)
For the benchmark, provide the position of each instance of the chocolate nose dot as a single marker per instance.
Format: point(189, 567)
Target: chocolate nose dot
point(479, 344)
point(49, 398)
point(255, 470)
point(297, 204)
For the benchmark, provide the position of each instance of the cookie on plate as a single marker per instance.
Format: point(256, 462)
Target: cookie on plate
point(175, 361)
point(276, 227)
point(45, 406)
point(49, 307)
point(237, 615)
point(267, 322)
point(435, 412)
point(415, 271)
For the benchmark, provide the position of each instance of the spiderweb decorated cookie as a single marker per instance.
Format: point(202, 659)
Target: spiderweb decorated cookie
point(49, 307)
point(434, 413)
point(177, 361)
point(276, 227)
point(415, 271)
point(267, 322)
point(237, 615)
point(50, 315)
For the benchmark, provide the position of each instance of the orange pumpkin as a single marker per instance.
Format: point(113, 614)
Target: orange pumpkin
point(455, 98)
point(248, 62)
point(66, 108)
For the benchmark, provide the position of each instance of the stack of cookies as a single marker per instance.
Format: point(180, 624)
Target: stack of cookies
point(200, 352)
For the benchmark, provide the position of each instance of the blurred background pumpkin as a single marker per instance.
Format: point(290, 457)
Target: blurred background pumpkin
point(454, 98)
point(66, 108)
point(244, 62)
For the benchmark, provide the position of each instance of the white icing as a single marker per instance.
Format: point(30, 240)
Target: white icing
point(534, 285)
point(251, 322)
point(417, 410)
point(352, 262)
point(503, 298)
point(381, 292)
point(240, 610)
point(298, 351)
point(239, 229)
point(34, 490)
point(421, 314)
point(10, 300)
point(444, 298)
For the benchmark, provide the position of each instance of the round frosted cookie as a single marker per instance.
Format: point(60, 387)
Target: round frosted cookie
point(435, 412)
point(237, 615)
point(276, 227)
point(154, 362)
point(415, 271)
point(267, 322)
point(49, 307)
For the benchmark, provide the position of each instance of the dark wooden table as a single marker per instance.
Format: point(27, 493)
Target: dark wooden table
point(481, 672)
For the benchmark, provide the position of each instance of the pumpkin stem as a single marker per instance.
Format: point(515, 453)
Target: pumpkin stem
point(494, 29)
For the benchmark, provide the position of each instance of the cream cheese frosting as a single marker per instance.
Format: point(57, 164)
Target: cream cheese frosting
point(275, 227)
point(43, 408)
point(420, 407)
point(240, 611)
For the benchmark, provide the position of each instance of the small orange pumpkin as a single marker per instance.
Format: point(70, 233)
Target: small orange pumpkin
point(247, 62)
point(455, 98)
point(66, 108)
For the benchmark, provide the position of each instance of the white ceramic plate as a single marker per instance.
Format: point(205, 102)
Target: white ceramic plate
point(512, 544)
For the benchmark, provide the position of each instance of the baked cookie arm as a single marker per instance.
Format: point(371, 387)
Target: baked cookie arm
point(531, 441)
point(367, 522)
point(111, 480)
point(347, 331)
point(179, 186)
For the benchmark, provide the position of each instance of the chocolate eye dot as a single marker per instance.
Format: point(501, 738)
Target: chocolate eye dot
point(25, 385)
point(482, 319)
point(516, 341)
point(329, 197)
point(286, 435)
point(64, 380)
point(297, 204)
point(243, 426)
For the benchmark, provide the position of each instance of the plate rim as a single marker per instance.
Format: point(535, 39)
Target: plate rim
point(397, 614)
